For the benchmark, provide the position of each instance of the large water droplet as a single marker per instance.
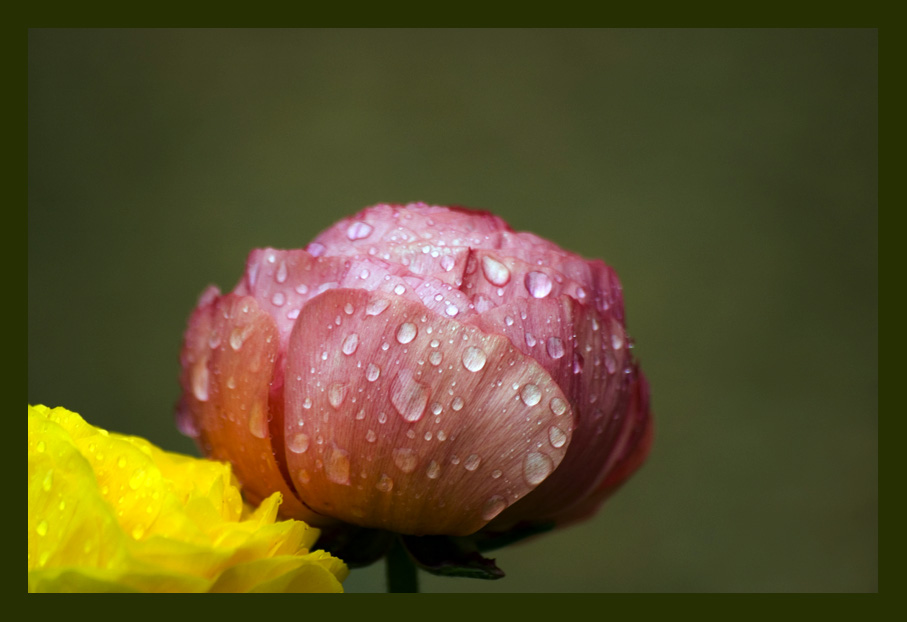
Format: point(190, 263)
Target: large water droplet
point(496, 272)
point(258, 421)
point(530, 394)
point(557, 436)
point(337, 466)
point(434, 470)
point(186, 423)
point(406, 332)
point(200, 381)
point(538, 284)
point(350, 344)
point(558, 406)
point(472, 462)
point(536, 467)
point(299, 443)
point(359, 230)
point(494, 506)
point(336, 394)
point(408, 396)
point(435, 358)
point(237, 337)
point(406, 460)
point(372, 372)
point(555, 347)
point(282, 272)
point(474, 358)
point(377, 306)
point(457, 404)
point(447, 262)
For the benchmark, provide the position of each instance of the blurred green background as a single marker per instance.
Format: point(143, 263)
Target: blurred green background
point(730, 176)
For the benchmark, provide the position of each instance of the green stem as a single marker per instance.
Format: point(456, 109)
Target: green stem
point(402, 574)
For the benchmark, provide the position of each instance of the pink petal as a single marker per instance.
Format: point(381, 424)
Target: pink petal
point(227, 360)
point(384, 227)
point(634, 444)
point(409, 420)
point(596, 376)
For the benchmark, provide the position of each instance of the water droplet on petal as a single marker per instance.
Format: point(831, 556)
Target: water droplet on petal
point(494, 506)
point(538, 284)
point(370, 436)
point(434, 470)
point(48, 481)
point(408, 396)
point(200, 381)
point(316, 249)
point(336, 394)
point(447, 262)
point(557, 436)
point(350, 344)
point(385, 484)
point(472, 462)
point(302, 289)
point(237, 336)
point(42, 528)
point(185, 423)
point(457, 404)
point(399, 289)
point(536, 467)
point(406, 332)
point(530, 340)
point(377, 306)
point(278, 299)
point(452, 310)
point(508, 320)
point(558, 406)
point(282, 272)
point(496, 272)
point(530, 394)
point(372, 372)
point(307, 403)
point(555, 347)
point(435, 358)
point(337, 467)
point(258, 421)
point(406, 460)
point(617, 340)
point(359, 230)
point(474, 358)
point(299, 443)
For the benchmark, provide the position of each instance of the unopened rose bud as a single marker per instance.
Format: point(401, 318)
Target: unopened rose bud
point(423, 370)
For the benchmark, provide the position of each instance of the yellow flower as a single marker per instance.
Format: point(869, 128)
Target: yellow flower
point(114, 513)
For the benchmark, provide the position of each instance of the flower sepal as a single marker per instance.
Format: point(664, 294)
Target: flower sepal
point(450, 556)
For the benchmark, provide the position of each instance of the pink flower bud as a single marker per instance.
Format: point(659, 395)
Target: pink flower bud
point(424, 370)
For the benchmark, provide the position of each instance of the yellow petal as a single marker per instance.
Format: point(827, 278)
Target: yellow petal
point(108, 512)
